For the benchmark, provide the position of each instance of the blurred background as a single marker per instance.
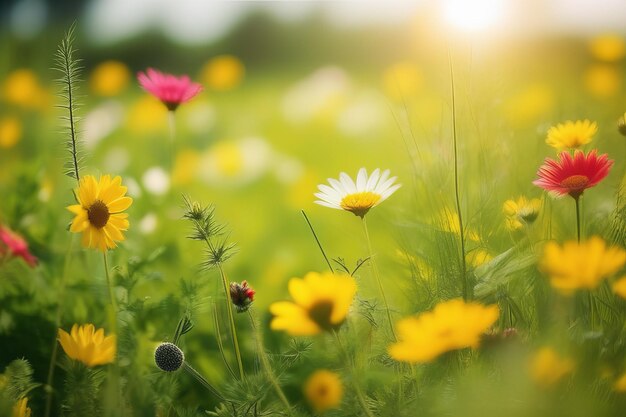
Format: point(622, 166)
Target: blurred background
point(294, 93)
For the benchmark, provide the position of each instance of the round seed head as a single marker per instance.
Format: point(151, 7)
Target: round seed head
point(168, 357)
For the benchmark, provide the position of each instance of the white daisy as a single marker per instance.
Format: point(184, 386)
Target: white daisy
point(359, 197)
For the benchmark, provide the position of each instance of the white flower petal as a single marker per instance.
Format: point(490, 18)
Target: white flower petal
point(385, 194)
point(337, 186)
point(383, 186)
point(326, 204)
point(329, 191)
point(361, 179)
point(371, 182)
point(347, 183)
point(329, 199)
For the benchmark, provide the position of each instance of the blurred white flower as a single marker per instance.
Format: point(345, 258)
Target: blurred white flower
point(156, 181)
point(235, 162)
point(101, 122)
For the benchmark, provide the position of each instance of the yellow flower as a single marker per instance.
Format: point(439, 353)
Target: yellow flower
point(87, 345)
point(620, 384)
point(147, 115)
point(521, 212)
point(323, 390)
point(477, 257)
point(571, 135)
point(451, 325)
point(547, 367)
point(402, 80)
point(608, 47)
point(602, 81)
point(21, 87)
point(321, 302)
point(223, 72)
point(450, 223)
point(619, 287)
point(10, 132)
point(580, 266)
point(21, 409)
point(109, 78)
point(99, 210)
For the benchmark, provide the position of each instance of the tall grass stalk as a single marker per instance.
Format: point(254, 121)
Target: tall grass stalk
point(457, 198)
point(319, 245)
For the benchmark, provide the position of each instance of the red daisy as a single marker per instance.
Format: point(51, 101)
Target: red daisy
point(573, 175)
point(171, 90)
point(15, 245)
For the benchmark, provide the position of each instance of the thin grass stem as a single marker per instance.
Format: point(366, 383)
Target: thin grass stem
point(319, 245)
point(265, 363)
point(231, 320)
point(377, 277)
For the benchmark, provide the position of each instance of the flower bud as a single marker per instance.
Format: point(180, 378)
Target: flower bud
point(241, 296)
point(621, 125)
point(168, 357)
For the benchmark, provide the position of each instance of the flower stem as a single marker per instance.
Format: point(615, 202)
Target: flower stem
point(357, 388)
point(171, 119)
point(377, 276)
point(57, 323)
point(577, 218)
point(318, 241)
point(110, 286)
point(231, 320)
point(266, 363)
point(456, 184)
point(202, 380)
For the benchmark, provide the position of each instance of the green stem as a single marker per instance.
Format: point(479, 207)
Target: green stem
point(319, 245)
point(592, 318)
point(202, 380)
point(577, 218)
point(378, 280)
point(266, 363)
point(456, 184)
point(357, 388)
point(110, 287)
point(231, 320)
point(57, 324)
point(171, 119)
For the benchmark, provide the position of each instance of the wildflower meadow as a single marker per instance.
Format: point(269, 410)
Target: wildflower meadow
point(243, 209)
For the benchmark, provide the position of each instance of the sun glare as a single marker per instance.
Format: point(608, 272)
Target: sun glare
point(473, 15)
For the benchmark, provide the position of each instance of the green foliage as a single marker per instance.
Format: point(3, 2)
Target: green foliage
point(82, 389)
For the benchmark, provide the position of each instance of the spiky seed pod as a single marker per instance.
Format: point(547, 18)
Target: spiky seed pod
point(168, 357)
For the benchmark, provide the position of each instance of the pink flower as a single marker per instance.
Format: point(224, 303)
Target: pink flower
point(171, 90)
point(573, 175)
point(16, 246)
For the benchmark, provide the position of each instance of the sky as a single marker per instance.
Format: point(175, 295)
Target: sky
point(203, 21)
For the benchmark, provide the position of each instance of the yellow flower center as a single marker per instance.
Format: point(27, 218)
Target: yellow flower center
point(320, 313)
point(98, 214)
point(360, 203)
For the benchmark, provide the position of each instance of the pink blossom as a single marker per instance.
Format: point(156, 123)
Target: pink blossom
point(171, 90)
point(15, 245)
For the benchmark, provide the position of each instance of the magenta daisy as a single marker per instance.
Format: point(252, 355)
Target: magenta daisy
point(171, 90)
point(573, 175)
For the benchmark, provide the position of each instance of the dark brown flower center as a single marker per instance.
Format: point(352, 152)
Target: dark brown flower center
point(98, 214)
point(321, 312)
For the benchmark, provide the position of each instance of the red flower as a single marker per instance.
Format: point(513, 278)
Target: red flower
point(171, 90)
point(16, 246)
point(241, 295)
point(573, 175)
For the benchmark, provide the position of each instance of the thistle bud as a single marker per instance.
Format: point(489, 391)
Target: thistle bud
point(168, 357)
point(241, 296)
